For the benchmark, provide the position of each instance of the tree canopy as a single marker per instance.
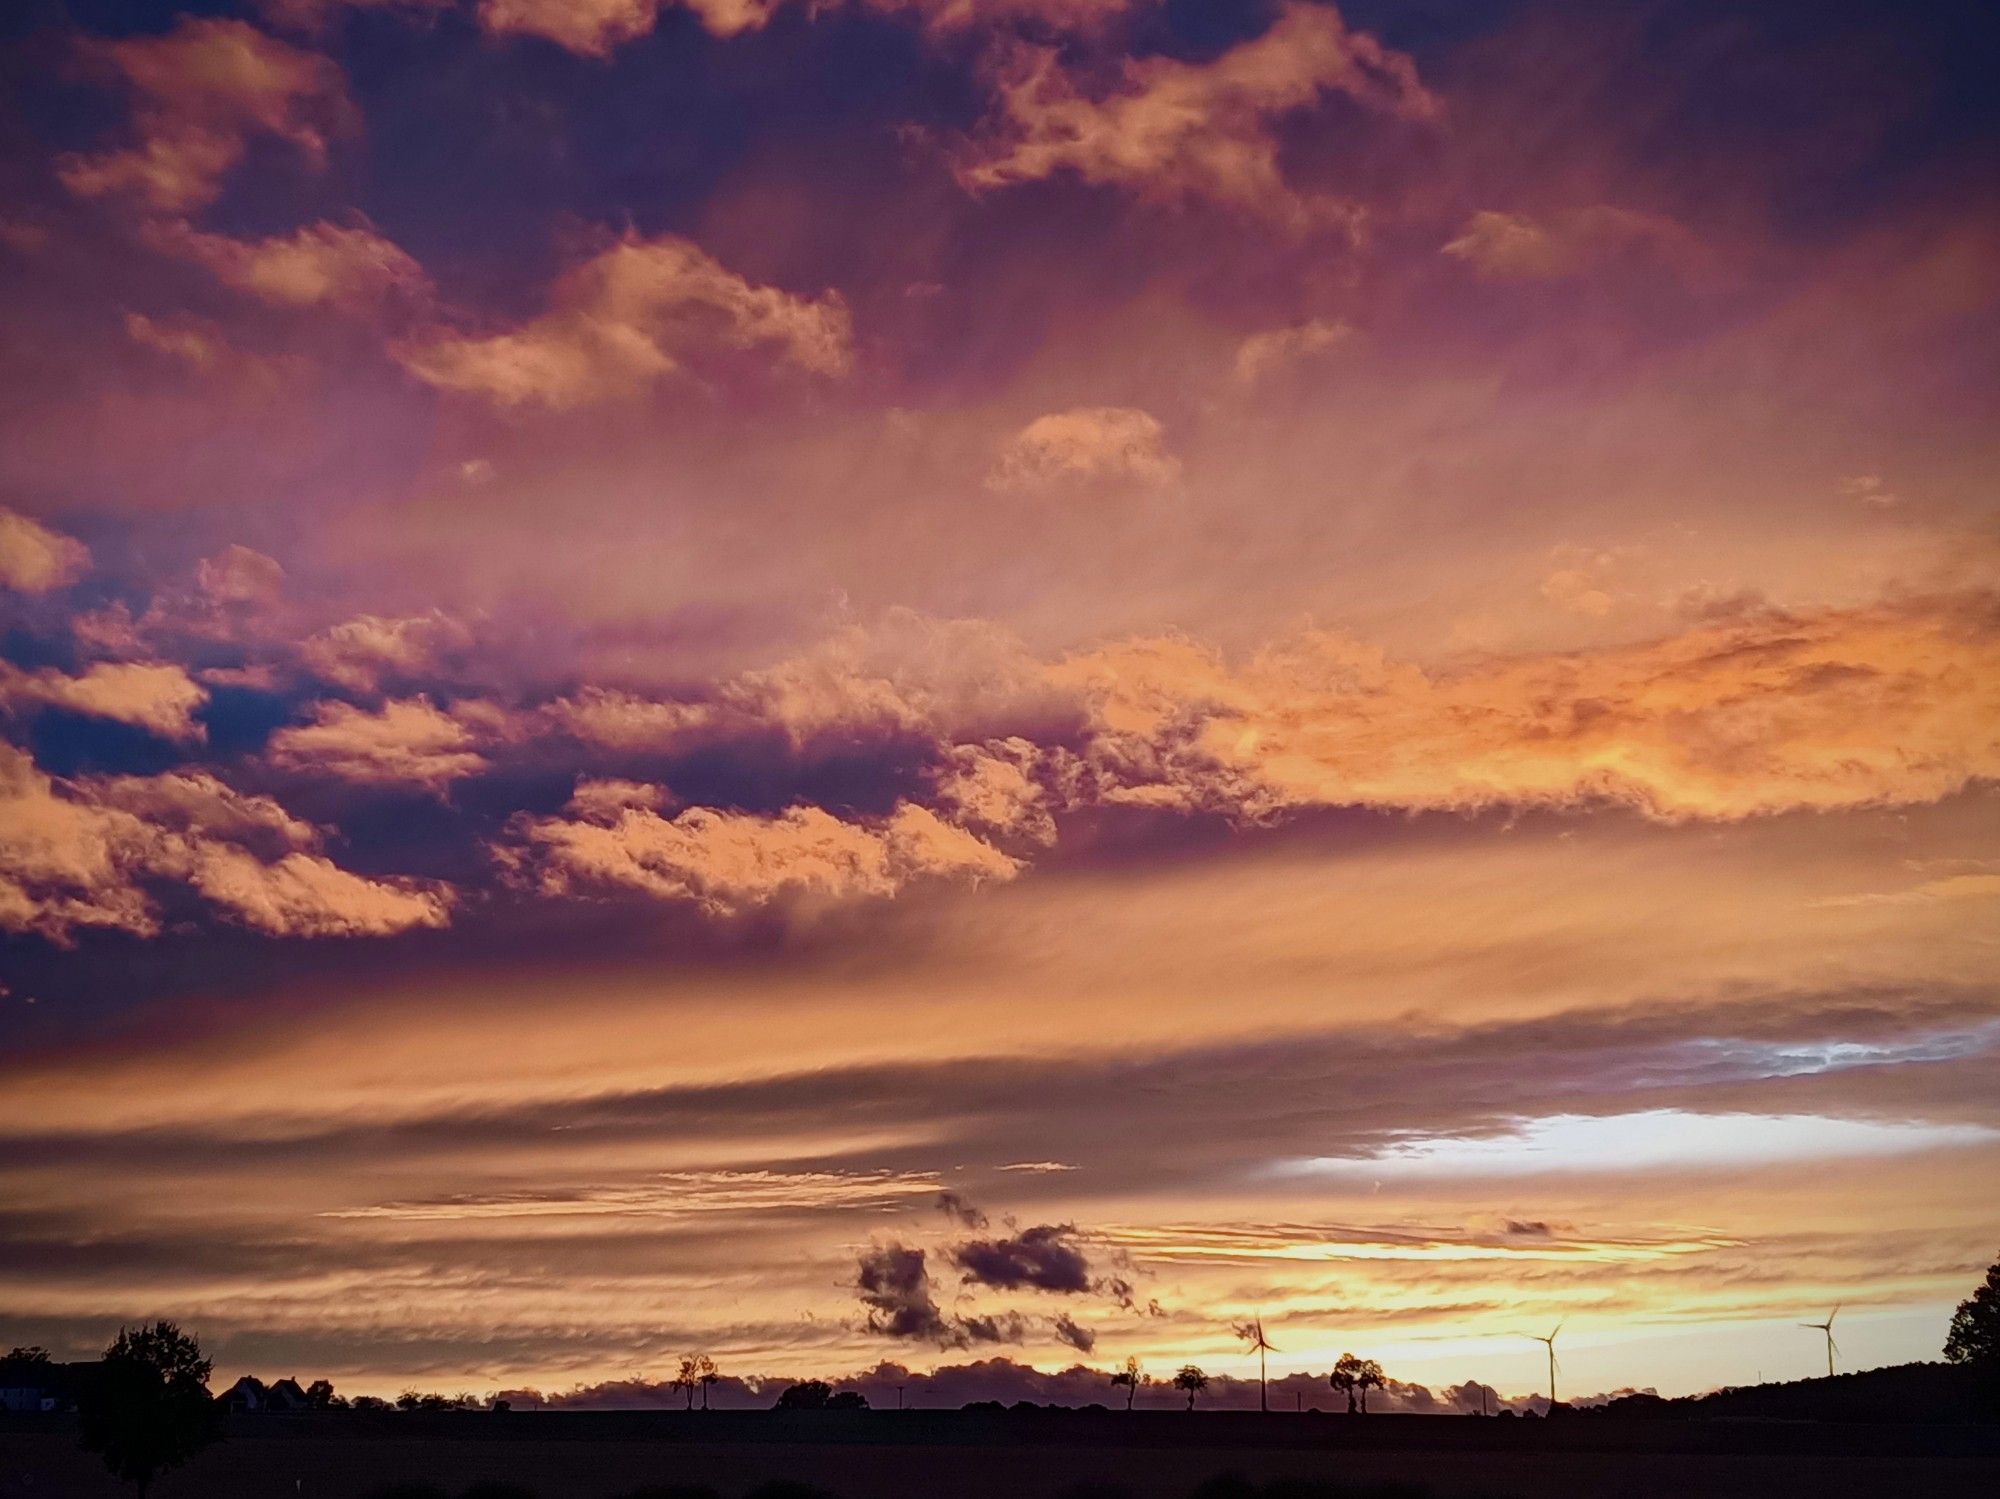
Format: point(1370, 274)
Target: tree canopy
point(1975, 1327)
point(147, 1408)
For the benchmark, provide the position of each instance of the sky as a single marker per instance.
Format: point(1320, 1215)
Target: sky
point(997, 684)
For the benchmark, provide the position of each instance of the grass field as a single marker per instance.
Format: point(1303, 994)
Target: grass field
point(1034, 1455)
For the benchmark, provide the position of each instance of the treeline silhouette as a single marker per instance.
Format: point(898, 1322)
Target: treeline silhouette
point(1221, 1486)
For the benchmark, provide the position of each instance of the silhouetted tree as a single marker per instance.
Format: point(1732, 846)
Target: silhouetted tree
point(687, 1377)
point(1192, 1380)
point(320, 1396)
point(1975, 1327)
point(847, 1400)
point(34, 1354)
point(806, 1395)
point(1131, 1377)
point(707, 1374)
point(1368, 1377)
point(1346, 1377)
point(146, 1408)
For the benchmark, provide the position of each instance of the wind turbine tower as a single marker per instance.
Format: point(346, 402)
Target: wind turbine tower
point(1550, 1340)
point(1253, 1334)
point(1827, 1327)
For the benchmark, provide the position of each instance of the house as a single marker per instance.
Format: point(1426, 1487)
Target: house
point(40, 1384)
point(250, 1394)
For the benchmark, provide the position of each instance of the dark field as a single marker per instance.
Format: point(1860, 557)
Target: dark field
point(1031, 1455)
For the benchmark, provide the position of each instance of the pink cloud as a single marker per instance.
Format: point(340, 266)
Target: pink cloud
point(407, 742)
point(200, 93)
point(1173, 130)
point(624, 318)
point(34, 559)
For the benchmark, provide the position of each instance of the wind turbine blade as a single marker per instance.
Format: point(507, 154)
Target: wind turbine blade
point(1833, 1345)
point(1834, 1313)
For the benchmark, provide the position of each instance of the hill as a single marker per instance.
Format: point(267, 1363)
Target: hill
point(1900, 1393)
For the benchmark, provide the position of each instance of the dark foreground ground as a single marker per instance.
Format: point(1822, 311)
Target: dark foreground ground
point(1030, 1455)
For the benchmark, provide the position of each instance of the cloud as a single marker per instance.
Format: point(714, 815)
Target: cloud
point(347, 267)
point(34, 559)
point(623, 720)
point(404, 742)
point(1275, 349)
point(626, 317)
point(1073, 1333)
point(1520, 247)
point(158, 698)
point(1086, 445)
point(960, 1211)
point(1046, 1257)
point(1775, 712)
point(594, 28)
point(200, 93)
point(362, 653)
point(306, 895)
point(87, 853)
point(727, 862)
point(1173, 131)
point(894, 1284)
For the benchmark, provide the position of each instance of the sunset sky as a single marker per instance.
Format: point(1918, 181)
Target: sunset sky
point(840, 681)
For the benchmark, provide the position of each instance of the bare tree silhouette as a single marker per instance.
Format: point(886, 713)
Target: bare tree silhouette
point(686, 1377)
point(1192, 1380)
point(1131, 1377)
point(706, 1374)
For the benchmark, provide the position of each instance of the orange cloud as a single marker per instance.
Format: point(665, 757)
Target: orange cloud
point(82, 854)
point(408, 741)
point(199, 94)
point(1275, 349)
point(1174, 130)
point(351, 268)
point(728, 862)
point(1770, 713)
point(155, 697)
point(626, 317)
point(34, 559)
point(1090, 444)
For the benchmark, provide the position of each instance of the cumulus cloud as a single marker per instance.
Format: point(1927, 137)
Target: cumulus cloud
point(408, 741)
point(728, 862)
point(626, 317)
point(347, 267)
point(1086, 445)
point(88, 853)
point(1276, 349)
point(1173, 131)
point(199, 95)
point(1523, 247)
point(624, 720)
point(159, 698)
point(1767, 713)
point(362, 653)
point(34, 559)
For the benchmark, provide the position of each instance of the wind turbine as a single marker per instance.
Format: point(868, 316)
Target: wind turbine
point(1551, 1341)
point(1253, 1334)
point(1827, 1327)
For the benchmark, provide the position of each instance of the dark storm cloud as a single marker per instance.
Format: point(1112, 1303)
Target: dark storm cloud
point(894, 1284)
point(1047, 1257)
